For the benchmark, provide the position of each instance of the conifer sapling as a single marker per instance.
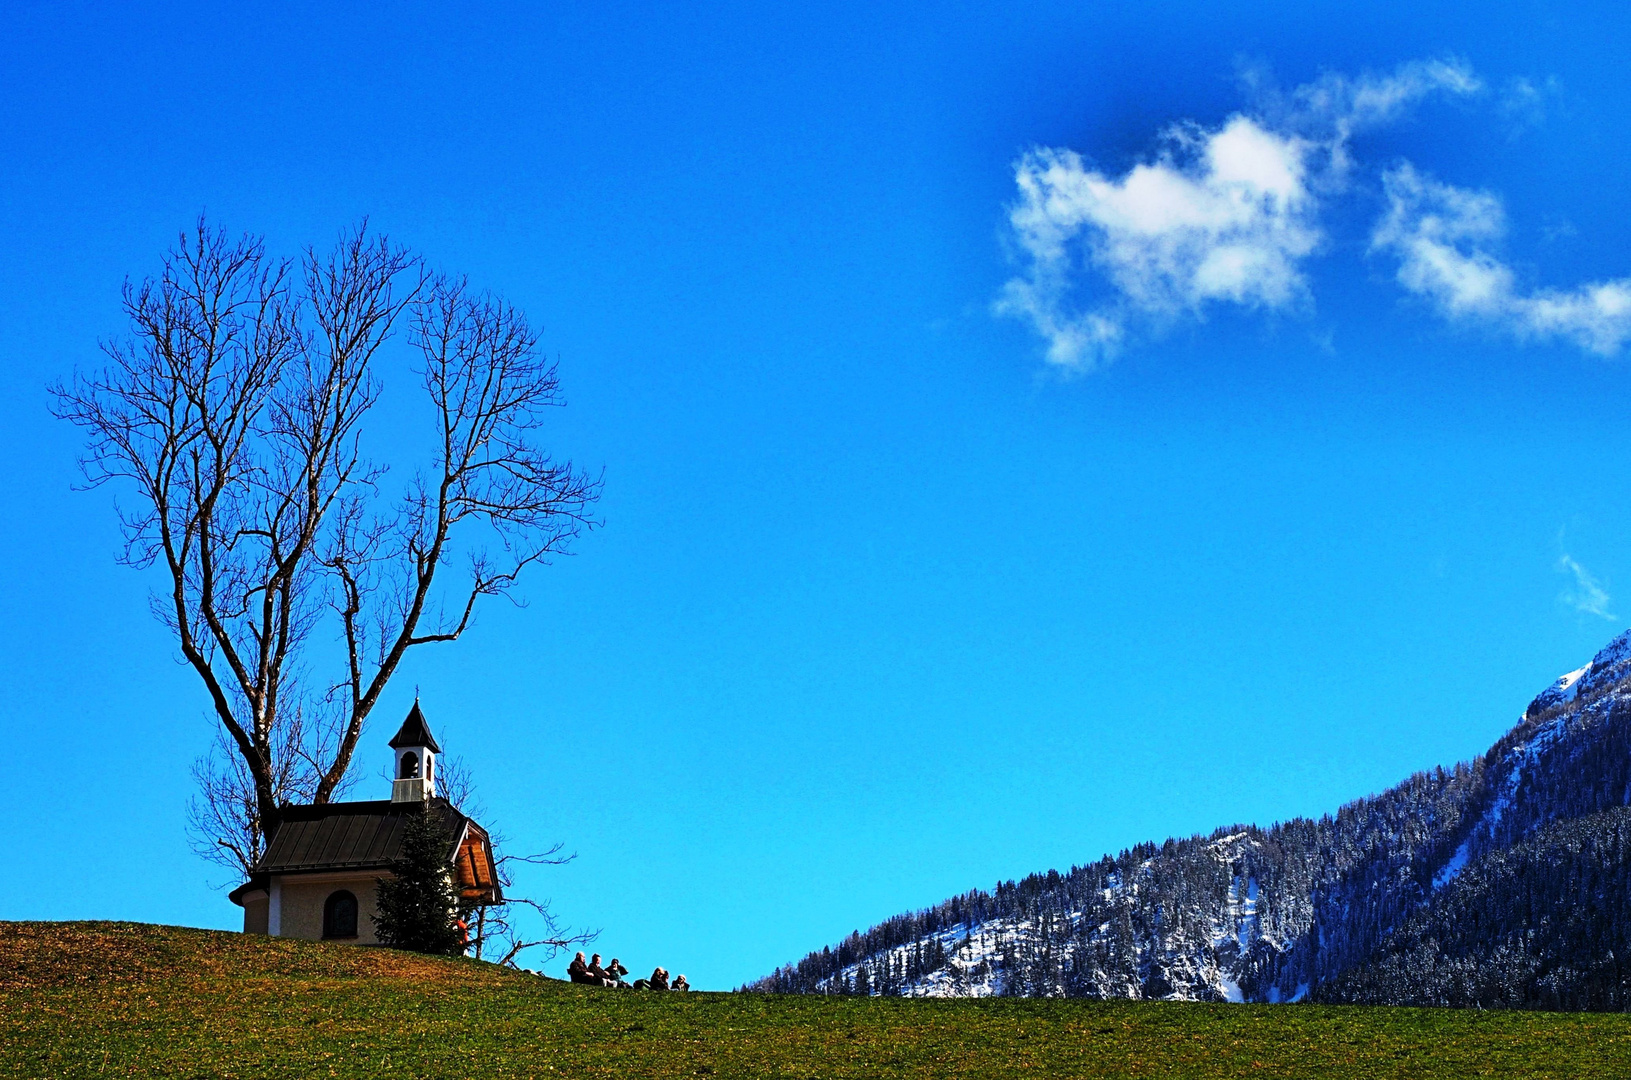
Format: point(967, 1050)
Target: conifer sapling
point(418, 907)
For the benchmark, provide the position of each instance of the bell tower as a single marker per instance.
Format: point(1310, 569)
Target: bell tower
point(416, 750)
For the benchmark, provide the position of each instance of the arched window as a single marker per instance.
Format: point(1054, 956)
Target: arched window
point(340, 915)
point(410, 766)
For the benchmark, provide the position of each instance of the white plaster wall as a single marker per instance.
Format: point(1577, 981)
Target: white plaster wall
point(303, 899)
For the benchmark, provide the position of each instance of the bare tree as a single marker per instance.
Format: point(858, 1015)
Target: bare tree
point(294, 583)
point(503, 926)
point(518, 923)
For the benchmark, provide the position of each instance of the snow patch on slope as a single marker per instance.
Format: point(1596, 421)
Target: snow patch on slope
point(1611, 665)
point(1561, 692)
point(1606, 671)
point(977, 955)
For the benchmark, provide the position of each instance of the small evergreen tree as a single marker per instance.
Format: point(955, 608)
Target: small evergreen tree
point(418, 906)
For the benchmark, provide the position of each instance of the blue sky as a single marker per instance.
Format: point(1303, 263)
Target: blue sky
point(1266, 448)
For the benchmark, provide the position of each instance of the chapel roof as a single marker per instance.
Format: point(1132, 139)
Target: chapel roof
point(335, 836)
point(368, 836)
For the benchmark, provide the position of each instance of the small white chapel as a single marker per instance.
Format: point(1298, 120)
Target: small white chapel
point(317, 877)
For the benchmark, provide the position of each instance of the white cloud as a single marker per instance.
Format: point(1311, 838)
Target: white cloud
point(1587, 594)
point(1230, 216)
point(1224, 215)
point(1444, 236)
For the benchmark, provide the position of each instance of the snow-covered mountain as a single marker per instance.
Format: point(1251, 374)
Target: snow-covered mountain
point(1503, 881)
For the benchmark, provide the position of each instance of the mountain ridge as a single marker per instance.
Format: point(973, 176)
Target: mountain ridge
point(1337, 908)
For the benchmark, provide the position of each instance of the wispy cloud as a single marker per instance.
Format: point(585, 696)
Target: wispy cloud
point(1337, 106)
point(1224, 215)
point(1525, 102)
point(1445, 239)
point(1587, 593)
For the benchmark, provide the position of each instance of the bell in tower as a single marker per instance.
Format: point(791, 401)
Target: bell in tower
point(416, 751)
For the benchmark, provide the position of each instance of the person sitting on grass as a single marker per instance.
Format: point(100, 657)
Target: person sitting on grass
point(578, 971)
point(614, 974)
point(680, 984)
point(597, 974)
point(659, 981)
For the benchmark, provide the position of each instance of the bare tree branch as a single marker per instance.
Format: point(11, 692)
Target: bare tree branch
point(499, 923)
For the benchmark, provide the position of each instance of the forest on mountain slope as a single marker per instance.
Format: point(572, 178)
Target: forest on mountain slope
point(1495, 882)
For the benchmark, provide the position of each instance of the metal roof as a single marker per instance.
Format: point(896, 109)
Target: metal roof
point(348, 836)
point(414, 732)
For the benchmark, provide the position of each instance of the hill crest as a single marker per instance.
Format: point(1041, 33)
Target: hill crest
point(35, 955)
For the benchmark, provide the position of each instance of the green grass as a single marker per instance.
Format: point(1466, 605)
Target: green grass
point(121, 999)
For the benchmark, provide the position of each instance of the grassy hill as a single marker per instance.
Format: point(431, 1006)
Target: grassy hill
point(122, 999)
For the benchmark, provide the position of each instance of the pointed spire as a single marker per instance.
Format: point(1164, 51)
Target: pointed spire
point(415, 732)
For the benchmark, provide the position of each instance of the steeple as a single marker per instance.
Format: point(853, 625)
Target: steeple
point(416, 751)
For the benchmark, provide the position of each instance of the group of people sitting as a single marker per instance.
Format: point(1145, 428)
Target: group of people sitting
point(590, 973)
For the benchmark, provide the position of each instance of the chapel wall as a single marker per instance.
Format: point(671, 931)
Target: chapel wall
point(302, 902)
point(255, 914)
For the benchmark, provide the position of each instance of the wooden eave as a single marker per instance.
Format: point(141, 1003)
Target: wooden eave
point(474, 868)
